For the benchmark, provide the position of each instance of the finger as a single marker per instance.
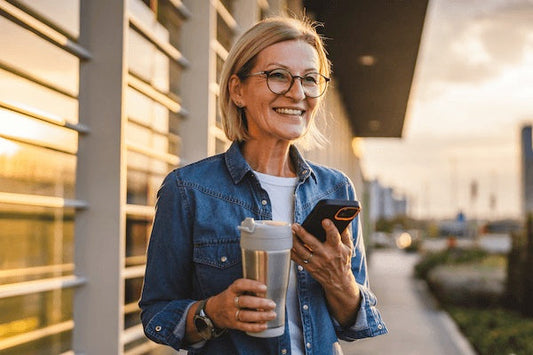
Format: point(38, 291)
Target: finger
point(332, 234)
point(240, 286)
point(253, 316)
point(253, 302)
point(346, 236)
point(305, 238)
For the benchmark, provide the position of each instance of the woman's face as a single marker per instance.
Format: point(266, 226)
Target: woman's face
point(279, 117)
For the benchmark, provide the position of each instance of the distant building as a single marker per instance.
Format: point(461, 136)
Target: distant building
point(527, 169)
point(384, 202)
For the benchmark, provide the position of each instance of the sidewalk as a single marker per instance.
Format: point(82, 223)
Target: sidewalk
point(416, 325)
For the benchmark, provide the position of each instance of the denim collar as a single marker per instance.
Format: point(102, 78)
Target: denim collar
point(238, 167)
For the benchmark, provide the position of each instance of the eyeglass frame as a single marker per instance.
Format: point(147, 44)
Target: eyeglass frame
point(293, 77)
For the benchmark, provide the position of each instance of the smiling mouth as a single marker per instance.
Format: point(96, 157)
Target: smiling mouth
point(289, 111)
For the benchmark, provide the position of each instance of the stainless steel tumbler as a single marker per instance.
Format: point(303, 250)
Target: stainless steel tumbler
point(266, 257)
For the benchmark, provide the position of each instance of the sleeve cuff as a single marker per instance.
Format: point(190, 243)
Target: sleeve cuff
point(368, 322)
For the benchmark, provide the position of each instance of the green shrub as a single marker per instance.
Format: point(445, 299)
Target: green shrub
point(495, 331)
point(448, 256)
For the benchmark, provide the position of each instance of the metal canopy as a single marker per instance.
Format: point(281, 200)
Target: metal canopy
point(373, 45)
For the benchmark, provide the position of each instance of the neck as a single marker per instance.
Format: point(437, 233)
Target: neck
point(271, 159)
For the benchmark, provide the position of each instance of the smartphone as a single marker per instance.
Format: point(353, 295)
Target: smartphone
point(340, 212)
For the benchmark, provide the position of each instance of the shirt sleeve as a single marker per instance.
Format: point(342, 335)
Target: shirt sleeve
point(167, 290)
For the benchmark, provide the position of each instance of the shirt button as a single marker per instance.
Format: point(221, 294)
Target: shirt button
point(380, 326)
point(305, 307)
point(300, 268)
point(304, 172)
point(264, 202)
point(283, 351)
point(224, 259)
point(308, 345)
point(158, 328)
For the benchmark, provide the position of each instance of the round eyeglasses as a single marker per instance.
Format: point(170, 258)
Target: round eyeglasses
point(280, 81)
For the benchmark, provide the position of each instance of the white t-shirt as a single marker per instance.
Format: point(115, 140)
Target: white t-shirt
point(281, 193)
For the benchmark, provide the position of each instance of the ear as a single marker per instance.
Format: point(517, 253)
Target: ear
point(236, 91)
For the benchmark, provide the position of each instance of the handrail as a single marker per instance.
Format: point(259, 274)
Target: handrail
point(225, 14)
point(36, 80)
point(153, 93)
point(169, 50)
point(133, 272)
point(132, 333)
point(36, 270)
point(219, 49)
point(166, 157)
point(42, 30)
point(40, 200)
point(36, 334)
point(37, 143)
point(29, 287)
point(46, 117)
point(184, 11)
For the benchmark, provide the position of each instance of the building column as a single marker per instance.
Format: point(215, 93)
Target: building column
point(196, 79)
point(101, 180)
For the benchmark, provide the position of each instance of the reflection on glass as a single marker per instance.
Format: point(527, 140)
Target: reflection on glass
point(137, 234)
point(143, 186)
point(46, 310)
point(43, 133)
point(62, 13)
point(224, 33)
point(23, 93)
point(40, 241)
point(27, 169)
point(29, 53)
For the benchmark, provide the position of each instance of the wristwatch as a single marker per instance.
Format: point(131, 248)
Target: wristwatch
point(204, 325)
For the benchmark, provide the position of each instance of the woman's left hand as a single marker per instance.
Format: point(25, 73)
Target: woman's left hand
point(329, 263)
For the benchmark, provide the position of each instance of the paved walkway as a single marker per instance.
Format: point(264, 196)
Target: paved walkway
point(416, 326)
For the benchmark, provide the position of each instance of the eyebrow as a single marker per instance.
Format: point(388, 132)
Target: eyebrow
point(279, 65)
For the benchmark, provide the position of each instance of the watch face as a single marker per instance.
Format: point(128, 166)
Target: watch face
point(202, 327)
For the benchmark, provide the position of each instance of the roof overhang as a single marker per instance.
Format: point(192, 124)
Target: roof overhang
point(373, 46)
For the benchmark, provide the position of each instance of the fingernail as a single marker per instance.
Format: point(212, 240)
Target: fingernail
point(328, 223)
point(262, 288)
point(272, 304)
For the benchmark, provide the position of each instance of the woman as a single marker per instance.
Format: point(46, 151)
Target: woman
point(194, 296)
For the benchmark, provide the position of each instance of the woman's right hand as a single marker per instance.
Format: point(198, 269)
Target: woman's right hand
point(238, 308)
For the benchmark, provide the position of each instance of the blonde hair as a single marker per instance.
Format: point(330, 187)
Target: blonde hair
point(242, 57)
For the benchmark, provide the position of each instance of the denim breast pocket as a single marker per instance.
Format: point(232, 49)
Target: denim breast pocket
point(217, 264)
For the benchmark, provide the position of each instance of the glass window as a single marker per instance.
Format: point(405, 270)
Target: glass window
point(224, 33)
point(27, 52)
point(28, 169)
point(38, 132)
point(25, 94)
point(40, 241)
point(62, 13)
point(43, 311)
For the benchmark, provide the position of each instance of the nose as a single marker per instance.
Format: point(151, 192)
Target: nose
point(296, 91)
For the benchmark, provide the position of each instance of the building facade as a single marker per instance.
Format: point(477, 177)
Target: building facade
point(99, 100)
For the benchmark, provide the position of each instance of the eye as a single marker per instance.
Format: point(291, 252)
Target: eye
point(311, 79)
point(279, 75)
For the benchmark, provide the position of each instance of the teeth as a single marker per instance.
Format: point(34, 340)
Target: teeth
point(289, 111)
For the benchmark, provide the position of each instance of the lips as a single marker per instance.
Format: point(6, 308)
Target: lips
point(289, 111)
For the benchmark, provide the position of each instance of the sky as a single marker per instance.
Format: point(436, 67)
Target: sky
point(471, 94)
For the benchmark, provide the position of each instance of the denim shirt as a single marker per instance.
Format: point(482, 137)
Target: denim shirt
point(194, 253)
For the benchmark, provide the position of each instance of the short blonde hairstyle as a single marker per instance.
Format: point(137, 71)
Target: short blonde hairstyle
point(242, 58)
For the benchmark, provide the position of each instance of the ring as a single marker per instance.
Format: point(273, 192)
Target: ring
point(236, 301)
point(306, 261)
point(237, 315)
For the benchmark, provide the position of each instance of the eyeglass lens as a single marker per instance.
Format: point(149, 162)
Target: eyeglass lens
point(280, 81)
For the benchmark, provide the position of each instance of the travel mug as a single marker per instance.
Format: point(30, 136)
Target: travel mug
point(266, 257)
